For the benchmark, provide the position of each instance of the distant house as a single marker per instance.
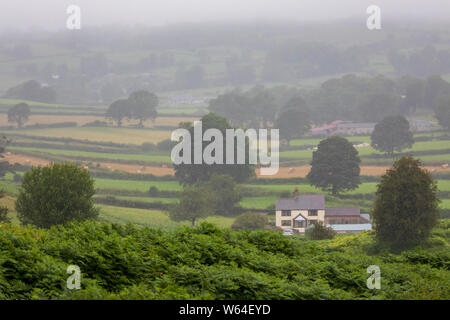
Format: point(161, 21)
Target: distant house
point(302, 211)
point(421, 126)
point(328, 129)
point(364, 128)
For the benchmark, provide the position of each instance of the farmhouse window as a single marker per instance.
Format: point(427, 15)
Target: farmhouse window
point(285, 213)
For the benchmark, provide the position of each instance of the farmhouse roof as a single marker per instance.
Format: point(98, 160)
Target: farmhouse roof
point(305, 202)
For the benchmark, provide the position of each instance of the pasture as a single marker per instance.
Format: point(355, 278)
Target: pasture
point(152, 218)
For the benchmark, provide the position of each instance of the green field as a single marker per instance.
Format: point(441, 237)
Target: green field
point(445, 203)
point(257, 202)
point(100, 155)
point(364, 151)
point(136, 185)
point(152, 218)
point(364, 188)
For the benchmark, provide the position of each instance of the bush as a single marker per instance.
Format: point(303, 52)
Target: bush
point(4, 214)
point(165, 145)
point(126, 262)
point(153, 191)
point(96, 123)
point(250, 220)
point(56, 194)
point(320, 232)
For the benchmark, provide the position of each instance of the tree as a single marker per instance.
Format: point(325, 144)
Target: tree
point(378, 104)
point(32, 90)
point(236, 107)
point(250, 220)
point(193, 205)
point(293, 120)
point(320, 232)
point(264, 105)
point(335, 165)
point(118, 110)
point(19, 113)
point(198, 173)
point(56, 194)
point(406, 204)
point(225, 194)
point(143, 106)
point(442, 111)
point(392, 134)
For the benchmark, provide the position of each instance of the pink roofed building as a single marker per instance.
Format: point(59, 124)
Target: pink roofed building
point(328, 129)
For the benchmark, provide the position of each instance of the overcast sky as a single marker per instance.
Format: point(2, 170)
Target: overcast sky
point(51, 14)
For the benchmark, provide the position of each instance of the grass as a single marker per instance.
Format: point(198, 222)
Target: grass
point(144, 199)
point(443, 185)
point(9, 187)
point(34, 103)
point(100, 155)
point(102, 134)
point(257, 202)
point(136, 185)
point(445, 203)
point(152, 218)
point(364, 188)
point(364, 151)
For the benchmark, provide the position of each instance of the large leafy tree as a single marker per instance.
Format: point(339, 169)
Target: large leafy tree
point(19, 114)
point(118, 110)
point(293, 120)
point(190, 173)
point(392, 134)
point(335, 165)
point(406, 205)
point(32, 90)
point(56, 194)
point(225, 194)
point(143, 105)
point(194, 204)
point(264, 105)
point(236, 107)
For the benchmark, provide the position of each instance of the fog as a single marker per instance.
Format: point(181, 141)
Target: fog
point(51, 14)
